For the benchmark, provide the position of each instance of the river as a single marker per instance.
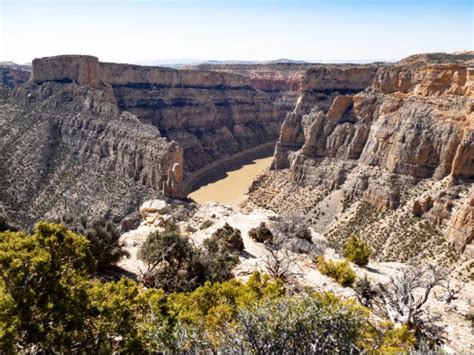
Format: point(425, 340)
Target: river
point(232, 187)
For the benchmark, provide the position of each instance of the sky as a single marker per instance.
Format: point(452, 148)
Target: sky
point(135, 31)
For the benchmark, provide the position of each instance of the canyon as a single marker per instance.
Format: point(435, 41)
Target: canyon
point(66, 150)
point(393, 163)
point(210, 115)
point(381, 150)
point(85, 115)
point(384, 151)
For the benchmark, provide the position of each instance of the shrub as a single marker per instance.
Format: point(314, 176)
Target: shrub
point(261, 234)
point(105, 244)
point(396, 340)
point(225, 239)
point(291, 232)
point(104, 238)
point(174, 264)
point(292, 225)
point(40, 282)
point(50, 304)
point(357, 251)
point(296, 326)
point(339, 271)
point(366, 294)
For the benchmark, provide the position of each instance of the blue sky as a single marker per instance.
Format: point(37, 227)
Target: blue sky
point(142, 30)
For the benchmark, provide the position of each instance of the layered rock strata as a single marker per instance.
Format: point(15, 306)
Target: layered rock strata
point(283, 81)
point(280, 81)
point(66, 149)
point(409, 136)
point(210, 115)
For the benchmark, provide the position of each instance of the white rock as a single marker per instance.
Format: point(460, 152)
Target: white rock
point(153, 206)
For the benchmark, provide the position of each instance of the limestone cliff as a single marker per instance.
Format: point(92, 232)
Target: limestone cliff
point(210, 115)
point(365, 162)
point(66, 148)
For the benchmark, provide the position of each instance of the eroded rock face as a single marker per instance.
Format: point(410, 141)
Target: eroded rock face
point(413, 127)
point(13, 75)
point(461, 229)
point(320, 86)
point(280, 81)
point(66, 149)
point(210, 115)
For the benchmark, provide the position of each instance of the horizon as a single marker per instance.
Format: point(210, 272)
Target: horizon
point(313, 31)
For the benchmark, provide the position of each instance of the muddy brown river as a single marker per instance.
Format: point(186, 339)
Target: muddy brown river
point(231, 189)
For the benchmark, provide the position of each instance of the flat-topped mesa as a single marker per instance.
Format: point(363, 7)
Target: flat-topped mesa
point(81, 69)
point(211, 115)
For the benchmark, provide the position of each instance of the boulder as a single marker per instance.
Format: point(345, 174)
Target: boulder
point(155, 207)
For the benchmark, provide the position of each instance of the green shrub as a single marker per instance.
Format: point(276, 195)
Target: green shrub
point(175, 265)
point(261, 234)
point(396, 340)
point(104, 238)
point(357, 251)
point(41, 281)
point(339, 271)
point(296, 326)
point(49, 303)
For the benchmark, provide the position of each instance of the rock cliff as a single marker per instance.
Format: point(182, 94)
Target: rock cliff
point(13, 75)
point(319, 87)
point(210, 115)
point(366, 162)
point(66, 149)
point(283, 81)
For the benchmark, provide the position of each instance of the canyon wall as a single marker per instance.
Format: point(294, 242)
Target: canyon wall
point(67, 150)
point(210, 115)
point(283, 81)
point(13, 75)
point(394, 163)
point(318, 89)
point(280, 81)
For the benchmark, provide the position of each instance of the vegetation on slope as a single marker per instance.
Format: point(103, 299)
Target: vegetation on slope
point(50, 302)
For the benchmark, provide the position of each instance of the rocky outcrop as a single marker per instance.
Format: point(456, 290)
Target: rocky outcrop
point(12, 75)
point(210, 115)
point(461, 227)
point(66, 149)
point(320, 86)
point(412, 129)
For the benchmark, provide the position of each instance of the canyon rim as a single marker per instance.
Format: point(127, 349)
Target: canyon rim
point(237, 205)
